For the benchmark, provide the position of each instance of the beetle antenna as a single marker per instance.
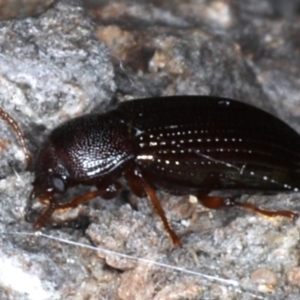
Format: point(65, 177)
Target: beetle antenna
point(16, 128)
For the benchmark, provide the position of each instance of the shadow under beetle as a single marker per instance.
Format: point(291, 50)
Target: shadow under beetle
point(181, 144)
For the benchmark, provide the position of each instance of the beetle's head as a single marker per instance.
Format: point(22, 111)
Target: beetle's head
point(50, 178)
point(50, 173)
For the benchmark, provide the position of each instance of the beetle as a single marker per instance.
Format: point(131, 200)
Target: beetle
point(180, 144)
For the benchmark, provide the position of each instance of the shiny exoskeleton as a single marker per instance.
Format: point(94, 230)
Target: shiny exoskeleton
point(182, 144)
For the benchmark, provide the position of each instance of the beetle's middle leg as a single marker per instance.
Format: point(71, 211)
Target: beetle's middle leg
point(140, 186)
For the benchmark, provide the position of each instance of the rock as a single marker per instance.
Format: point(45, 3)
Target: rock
point(22, 8)
point(52, 69)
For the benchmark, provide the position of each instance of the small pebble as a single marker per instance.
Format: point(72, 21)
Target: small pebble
point(293, 276)
point(265, 279)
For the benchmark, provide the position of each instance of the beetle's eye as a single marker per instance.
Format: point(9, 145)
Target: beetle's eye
point(58, 185)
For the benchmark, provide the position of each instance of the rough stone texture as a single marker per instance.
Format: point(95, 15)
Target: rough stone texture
point(22, 8)
point(51, 69)
point(248, 50)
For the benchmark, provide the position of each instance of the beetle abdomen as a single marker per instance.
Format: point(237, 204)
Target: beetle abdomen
point(195, 143)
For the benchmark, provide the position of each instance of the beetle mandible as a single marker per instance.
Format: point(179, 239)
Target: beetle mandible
point(181, 144)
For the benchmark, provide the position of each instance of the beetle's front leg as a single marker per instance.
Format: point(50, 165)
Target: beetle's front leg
point(31, 214)
point(105, 190)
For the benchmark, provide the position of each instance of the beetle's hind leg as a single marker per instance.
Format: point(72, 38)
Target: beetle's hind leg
point(214, 202)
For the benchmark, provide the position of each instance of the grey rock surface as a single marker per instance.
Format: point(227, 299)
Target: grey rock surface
point(52, 68)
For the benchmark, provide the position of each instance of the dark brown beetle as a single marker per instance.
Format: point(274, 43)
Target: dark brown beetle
point(181, 144)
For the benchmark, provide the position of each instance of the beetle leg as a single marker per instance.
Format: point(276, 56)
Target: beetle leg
point(53, 205)
point(137, 181)
point(46, 213)
point(135, 184)
point(219, 202)
point(80, 200)
point(105, 191)
point(269, 213)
